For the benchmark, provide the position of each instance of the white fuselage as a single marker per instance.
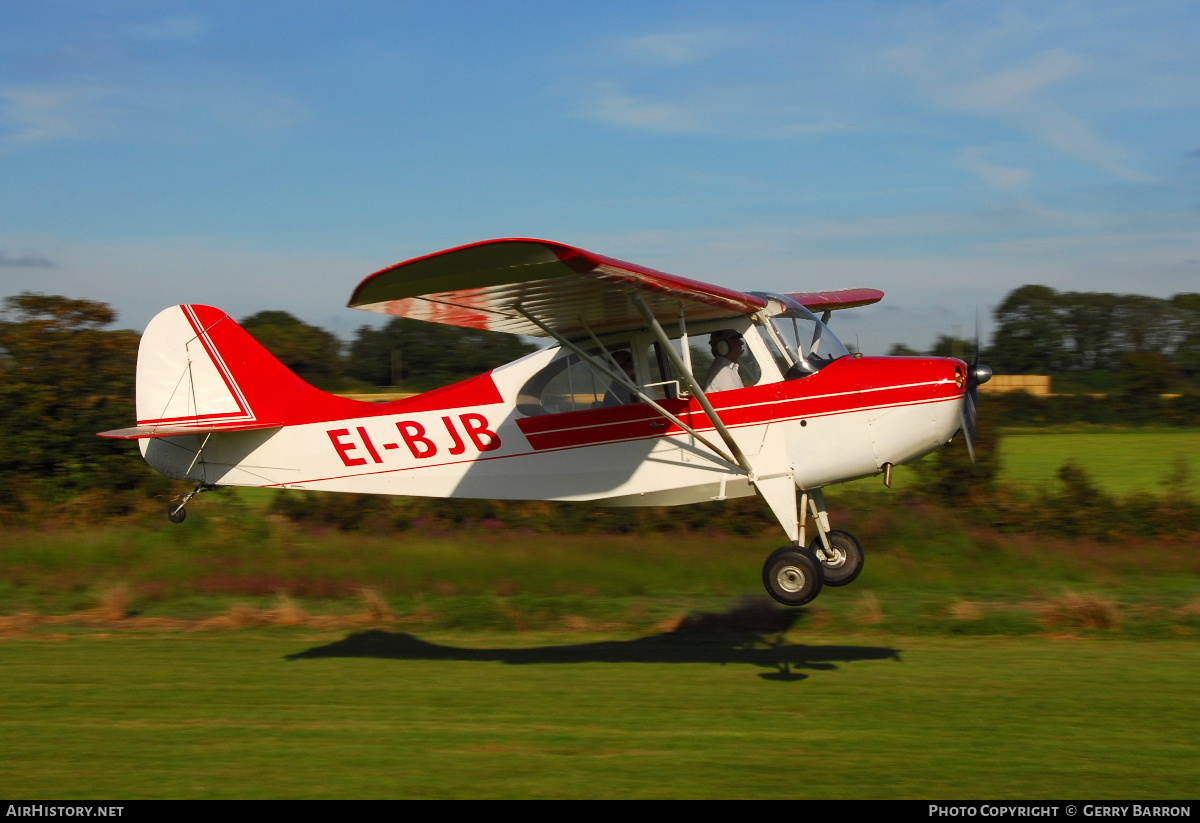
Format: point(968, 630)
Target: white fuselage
point(846, 421)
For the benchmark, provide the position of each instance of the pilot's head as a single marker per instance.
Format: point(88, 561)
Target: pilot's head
point(726, 343)
point(624, 359)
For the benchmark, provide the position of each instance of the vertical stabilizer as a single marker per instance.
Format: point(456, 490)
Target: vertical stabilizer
point(198, 369)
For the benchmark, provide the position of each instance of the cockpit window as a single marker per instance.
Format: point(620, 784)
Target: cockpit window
point(811, 345)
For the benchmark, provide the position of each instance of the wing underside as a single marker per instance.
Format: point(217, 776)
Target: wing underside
point(572, 291)
point(493, 284)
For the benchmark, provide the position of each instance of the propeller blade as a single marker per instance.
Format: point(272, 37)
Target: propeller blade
point(968, 431)
point(969, 412)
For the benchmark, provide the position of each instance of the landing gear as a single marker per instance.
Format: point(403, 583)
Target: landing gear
point(842, 561)
point(792, 575)
point(177, 512)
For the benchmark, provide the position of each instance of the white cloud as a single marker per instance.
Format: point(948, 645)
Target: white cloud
point(682, 48)
point(996, 176)
point(40, 114)
point(767, 111)
point(609, 104)
point(183, 27)
point(995, 73)
point(180, 112)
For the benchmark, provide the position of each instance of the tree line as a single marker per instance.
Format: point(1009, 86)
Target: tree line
point(1094, 341)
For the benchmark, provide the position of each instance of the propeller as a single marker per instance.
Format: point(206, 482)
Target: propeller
point(977, 374)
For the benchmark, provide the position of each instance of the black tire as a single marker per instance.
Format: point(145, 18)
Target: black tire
point(792, 575)
point(847, 562)
point(177, 514)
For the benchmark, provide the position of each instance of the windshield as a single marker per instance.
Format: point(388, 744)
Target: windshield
point(810, 343)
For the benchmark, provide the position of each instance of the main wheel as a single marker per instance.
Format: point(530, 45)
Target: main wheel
point(847, 561)
point(792, 575)
point(176, 514)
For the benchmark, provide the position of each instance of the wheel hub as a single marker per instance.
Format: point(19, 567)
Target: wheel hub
point(790, 578)
point(834, 557)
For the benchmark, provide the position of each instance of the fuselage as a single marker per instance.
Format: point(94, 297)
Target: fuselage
point(477, 439)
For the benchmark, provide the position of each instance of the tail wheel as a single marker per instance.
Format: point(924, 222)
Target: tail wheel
point(792, 575)
point(844, 563)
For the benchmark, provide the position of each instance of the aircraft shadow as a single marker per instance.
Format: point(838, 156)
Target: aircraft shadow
point(725, 638)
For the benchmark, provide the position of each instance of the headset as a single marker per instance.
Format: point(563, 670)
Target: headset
point(722, 347)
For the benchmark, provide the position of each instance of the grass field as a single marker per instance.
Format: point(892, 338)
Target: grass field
point(1119, 462)
point(293, 714)
point(236, 656)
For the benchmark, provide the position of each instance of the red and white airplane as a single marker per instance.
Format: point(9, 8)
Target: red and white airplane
point(617, 411)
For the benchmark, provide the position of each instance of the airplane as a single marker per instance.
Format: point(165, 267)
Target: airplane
point(616, 411)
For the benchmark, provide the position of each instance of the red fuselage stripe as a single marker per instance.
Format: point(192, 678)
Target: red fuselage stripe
point(572, 446)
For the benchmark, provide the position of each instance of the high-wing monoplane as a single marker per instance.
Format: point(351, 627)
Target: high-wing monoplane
point(625, 408)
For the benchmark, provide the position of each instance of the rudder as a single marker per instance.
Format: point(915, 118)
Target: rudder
point(198, 369)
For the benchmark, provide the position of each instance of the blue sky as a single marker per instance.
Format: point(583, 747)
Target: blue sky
point(254, 155)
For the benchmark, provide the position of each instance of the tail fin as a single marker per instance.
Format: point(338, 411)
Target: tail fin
point(199, 371)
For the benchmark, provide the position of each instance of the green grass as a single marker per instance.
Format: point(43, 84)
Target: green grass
point(567, 716)
point(962, 662)
point(921, 569)
point(1119, 462)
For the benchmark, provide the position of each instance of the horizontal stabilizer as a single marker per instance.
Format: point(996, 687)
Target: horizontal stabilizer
point(142, 432)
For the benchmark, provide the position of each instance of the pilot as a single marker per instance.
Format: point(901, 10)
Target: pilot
point(727, 347)
point(617, 394)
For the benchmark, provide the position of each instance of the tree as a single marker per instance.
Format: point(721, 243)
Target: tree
point(1089, 321)
point(1146, 376)
point(64, 377)
point(949, 346)
point(1185, 319)
point(1029, 335)
point(424, 356)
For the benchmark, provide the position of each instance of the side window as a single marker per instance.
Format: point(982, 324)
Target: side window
point(660, 381)
point(569, 383)
point(749, 369)
point(701, 356)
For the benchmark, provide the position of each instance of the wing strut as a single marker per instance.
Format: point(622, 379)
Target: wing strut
point(600, 366)
point(693, 385)
point(777, 485)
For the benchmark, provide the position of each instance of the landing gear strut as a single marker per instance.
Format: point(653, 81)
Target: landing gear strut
point(177, 512)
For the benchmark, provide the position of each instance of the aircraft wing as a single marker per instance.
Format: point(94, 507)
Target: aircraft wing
point(479, 286)
point(819, 301)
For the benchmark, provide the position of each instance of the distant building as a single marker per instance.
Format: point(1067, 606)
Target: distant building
point(1035, 384)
